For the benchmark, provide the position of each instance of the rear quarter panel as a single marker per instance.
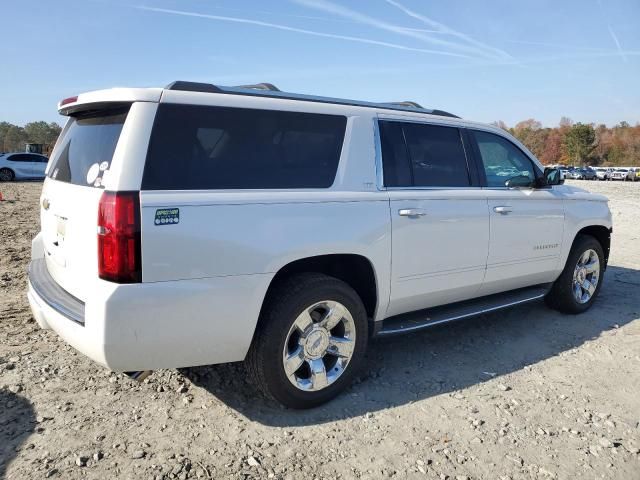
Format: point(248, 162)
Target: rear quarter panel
point(227, 234)
point(224, 233)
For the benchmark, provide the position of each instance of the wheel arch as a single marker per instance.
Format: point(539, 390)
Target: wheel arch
point(354, 269)
point(602, 234)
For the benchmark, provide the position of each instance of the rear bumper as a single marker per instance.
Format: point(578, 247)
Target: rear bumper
point(149, 326)
point(52, 294)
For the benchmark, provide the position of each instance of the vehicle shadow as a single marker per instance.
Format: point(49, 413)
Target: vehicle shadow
point(17, 422)
point(442, 359)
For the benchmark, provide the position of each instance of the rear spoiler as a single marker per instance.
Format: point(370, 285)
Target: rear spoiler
point(94, 99)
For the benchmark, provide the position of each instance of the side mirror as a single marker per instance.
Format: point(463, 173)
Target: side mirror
point(521, 181)
point(553, 176)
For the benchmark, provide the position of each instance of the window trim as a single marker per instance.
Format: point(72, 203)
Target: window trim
point(472, 168)
point(480, 164)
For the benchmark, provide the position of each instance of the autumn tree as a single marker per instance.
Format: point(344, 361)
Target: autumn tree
point(531, 133)
point(579, 142)
point(552, 153)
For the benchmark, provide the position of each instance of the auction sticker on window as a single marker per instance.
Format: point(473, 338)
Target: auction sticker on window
point(167, 216)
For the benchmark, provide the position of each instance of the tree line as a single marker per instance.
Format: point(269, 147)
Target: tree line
point(569, 143)
point(579, 144)
point(13, 137)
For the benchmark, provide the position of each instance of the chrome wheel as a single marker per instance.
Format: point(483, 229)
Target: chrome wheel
point(319, 345)
point(586, 276)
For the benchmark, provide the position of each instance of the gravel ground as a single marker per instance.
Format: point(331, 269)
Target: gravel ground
point(527, 393)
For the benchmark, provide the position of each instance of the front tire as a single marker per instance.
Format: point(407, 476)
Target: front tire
point(311, 339)
point(6, 175)
point(579, 283)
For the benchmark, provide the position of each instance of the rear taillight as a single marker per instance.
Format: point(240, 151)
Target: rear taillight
point(119, 251)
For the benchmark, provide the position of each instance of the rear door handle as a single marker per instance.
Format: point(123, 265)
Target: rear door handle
point(411, 212)
point(503, 210)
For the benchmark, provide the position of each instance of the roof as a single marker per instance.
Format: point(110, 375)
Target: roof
point(271, 91)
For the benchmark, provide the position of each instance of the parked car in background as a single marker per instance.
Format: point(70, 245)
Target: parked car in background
point(581, 174)
point(22, 166)
point(624, 174)
point(588, 174)
point(635, 173)
point(602, 173)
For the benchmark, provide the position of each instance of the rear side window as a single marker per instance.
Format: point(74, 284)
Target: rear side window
point(195, 147)
point(422, 155)
point(86, 149)
point(395, 157)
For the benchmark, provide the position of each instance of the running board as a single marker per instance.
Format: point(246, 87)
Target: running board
point(409, 322)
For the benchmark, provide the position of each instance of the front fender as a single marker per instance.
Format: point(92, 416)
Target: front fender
point(581, 213)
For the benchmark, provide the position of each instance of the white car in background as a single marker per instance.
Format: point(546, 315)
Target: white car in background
point(603, 173)
point(22, 166)
point(624, 174)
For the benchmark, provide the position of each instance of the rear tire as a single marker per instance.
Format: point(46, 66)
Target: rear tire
point(6, 175)
point(574, 291)
point(297, 357)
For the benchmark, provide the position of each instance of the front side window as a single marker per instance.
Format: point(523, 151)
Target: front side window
point(422, 155)
point(194, 147)
point(501, 159)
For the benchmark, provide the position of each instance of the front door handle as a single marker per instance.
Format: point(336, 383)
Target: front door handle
point(503, 210)
point(411, 212)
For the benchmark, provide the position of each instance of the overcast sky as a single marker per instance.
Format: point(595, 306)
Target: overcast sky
point(495, 60)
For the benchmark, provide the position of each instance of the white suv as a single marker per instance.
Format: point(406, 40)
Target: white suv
point(199, 224)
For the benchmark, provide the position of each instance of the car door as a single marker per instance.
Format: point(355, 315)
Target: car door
point(21, 165)
point(38, 165)
point(439, 216)
point(526, 223)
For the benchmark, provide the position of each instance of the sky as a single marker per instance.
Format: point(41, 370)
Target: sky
point(486, 61)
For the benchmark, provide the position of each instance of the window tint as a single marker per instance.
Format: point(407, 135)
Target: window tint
point(437, 156)
point(89, 142)
point(201, 147)
point(502, 160)
point(20, 157)
point(395, 158)
point(37, 158)
point(422, 155)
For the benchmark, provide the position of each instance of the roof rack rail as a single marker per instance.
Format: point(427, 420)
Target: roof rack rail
point(261, 86)
point(271, 91)
point(193, 87)
point(405, 103)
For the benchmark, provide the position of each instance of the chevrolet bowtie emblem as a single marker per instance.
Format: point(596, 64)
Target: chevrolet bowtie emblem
point(45, 203)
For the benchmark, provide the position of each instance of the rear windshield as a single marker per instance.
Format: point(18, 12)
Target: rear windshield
point(85, 151)
point(196, 147)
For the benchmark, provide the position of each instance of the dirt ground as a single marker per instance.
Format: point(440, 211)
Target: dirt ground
point(525, 393)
